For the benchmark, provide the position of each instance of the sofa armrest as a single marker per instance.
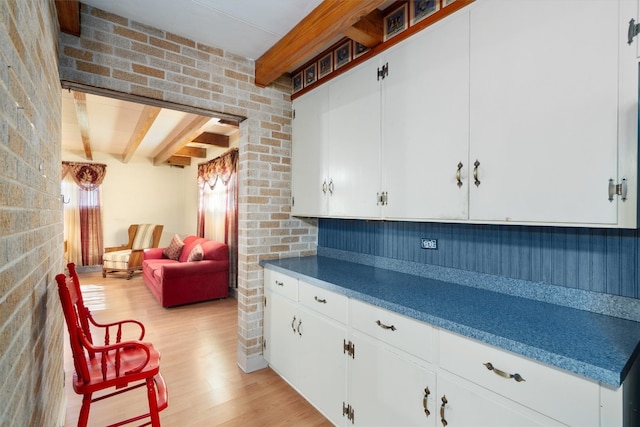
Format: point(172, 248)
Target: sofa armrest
point(153, 253)
point(181, 269)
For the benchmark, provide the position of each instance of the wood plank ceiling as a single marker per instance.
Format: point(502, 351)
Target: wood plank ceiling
point(360, 20)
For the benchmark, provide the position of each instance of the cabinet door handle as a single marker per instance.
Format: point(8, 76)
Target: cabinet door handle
point(324, 186)
point(293, 328)
point(442, 407)
point(298, 328)
point(427, 392)
point(476, 181)
point(458, 172)
point(517, 377)
point(331, 186)
point(383, 326)
point(320, 300)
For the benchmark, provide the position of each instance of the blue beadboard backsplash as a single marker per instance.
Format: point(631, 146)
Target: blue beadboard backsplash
point(599, 260)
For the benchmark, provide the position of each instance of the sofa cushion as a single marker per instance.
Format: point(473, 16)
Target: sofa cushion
point(174, 249)
point(197, 254)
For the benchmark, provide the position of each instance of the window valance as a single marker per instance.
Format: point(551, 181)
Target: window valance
point(219, 169)
point(88, 176)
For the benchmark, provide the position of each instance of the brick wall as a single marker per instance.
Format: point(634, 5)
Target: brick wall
point(31, 324)
point(121, 55)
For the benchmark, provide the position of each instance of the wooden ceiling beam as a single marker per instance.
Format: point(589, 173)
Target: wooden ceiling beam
point(184, 133)
point(198, 152)
point(178, 161)
point(369, 31)
point(210, 138)
point(323, 25)
point(145, 121)
point(69, 16)
point(80, 102)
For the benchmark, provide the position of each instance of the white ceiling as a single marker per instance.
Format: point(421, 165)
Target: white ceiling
point(112, 122)
point(244, 27)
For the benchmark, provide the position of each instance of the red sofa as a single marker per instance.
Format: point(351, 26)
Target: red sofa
point(177, 282)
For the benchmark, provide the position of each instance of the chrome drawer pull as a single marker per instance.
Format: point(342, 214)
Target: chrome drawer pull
point(320, 300)
point(383, 326)
point(504, 374)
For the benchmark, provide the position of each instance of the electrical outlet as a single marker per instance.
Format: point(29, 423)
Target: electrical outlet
point(428, 243)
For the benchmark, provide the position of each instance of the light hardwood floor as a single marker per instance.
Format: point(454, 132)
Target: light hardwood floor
point(197, 343)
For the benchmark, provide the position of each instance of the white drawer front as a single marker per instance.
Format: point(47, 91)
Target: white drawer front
point(407, 334)
point(325, 302)
point(281, 283)
point(558, 394)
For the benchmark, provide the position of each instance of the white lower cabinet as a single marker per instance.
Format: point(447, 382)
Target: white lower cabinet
point(362, 365)
point(305, 346)
point(461, 403)
point(558, 394)
point(387, 387)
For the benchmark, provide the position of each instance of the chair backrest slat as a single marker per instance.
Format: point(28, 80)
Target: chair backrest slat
point(83, 311)
point(69, 300)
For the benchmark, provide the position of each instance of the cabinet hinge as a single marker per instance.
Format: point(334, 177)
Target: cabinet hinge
point(383, 72)
point(349, 348)
point(618, 189)
point(382, 198)
point(265, 301)
point(294, 114)
point(633, 31)
point(347, 411)
point(293, 202)
point(264, 345)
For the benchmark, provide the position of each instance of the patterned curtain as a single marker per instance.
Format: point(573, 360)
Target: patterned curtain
point(83, 211)
point(218, 205)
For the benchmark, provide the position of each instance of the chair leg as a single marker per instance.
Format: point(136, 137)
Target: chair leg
point(153, 403)
point(83, 418)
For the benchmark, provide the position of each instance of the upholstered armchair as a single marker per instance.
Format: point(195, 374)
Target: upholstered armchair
point(128, 258)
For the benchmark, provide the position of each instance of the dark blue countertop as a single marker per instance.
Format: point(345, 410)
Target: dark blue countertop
point(595, 346)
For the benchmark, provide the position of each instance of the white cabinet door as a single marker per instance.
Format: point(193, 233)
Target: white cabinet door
point(425, 123)
point(323, 372)
point(354, 138)
point(544, 110)
point(266, 325)
point(462, 404)
point(387, 389)
point(309, 179)
point(285, 337)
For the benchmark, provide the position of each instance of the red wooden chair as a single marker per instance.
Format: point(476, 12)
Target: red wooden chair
point(121, 366)
point(86, 318)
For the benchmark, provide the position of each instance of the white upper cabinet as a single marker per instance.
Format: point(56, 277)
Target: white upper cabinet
point(309, 169)
point(545, 100)
point(354, 143)
point(426, 123)
point(336, 147)
point(521, 112)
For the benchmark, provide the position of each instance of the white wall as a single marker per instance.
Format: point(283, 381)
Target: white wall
point(138, 192)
